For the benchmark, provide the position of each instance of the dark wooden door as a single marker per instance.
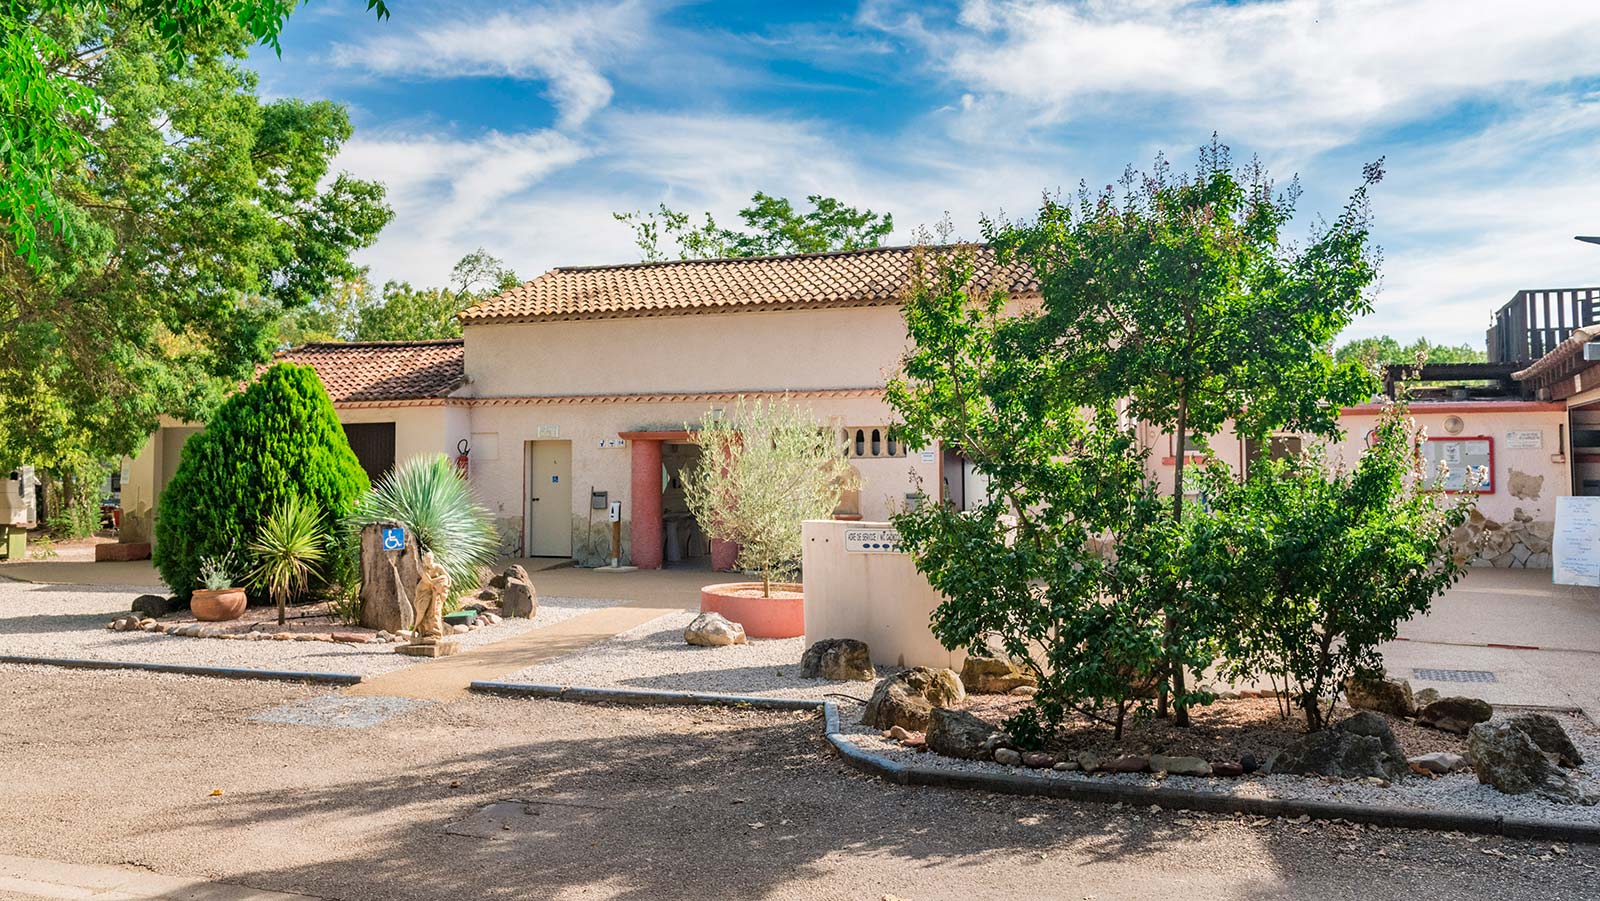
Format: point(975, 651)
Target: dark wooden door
point(373, 443)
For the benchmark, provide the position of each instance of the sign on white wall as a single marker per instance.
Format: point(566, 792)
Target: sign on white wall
point(1529, 439)
point(1575, 549)
point(872, 541)
point(549, 431)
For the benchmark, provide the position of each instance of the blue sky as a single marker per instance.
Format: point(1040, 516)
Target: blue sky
point(521, 126)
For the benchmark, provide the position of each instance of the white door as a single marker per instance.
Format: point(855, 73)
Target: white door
point(549, 518)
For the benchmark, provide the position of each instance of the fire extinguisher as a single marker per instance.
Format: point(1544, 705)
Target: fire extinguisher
point(462, 450)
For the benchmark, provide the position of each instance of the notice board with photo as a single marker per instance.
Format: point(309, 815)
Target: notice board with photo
point(1470, 463)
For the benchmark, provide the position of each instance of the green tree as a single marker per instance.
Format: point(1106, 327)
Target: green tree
point(1174, 298)
point(772, 227)
point(50, 96)
point(200, 214)
point(1321, 564)
point(349, 312)
point(277, 439)
point(1384, 350)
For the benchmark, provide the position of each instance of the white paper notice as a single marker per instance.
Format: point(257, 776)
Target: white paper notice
point(1575, 550)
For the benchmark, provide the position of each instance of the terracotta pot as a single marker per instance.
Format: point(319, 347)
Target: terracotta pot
point(216, 606)
point(783, 616)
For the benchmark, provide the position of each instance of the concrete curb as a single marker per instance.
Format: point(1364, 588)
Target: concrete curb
point(1021, 783)
point(220, 672)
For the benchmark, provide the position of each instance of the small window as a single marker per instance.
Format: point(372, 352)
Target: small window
point(873, 441)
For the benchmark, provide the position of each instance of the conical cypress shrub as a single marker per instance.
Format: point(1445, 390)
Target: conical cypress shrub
point(280, 436)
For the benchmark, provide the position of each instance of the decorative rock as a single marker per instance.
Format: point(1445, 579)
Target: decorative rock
point(283, 636)
point(838, 660)
point(155, 627)
point(514, 571)
point(907, 699)
point(1088, 761)
point(1007, 756)
point(1179, 766)
point(1439, 763)
point(1455, 714)
point(350, 637)
point(898, 733)
point(1509, 760)
point(519, 599)
point(489, 594)
point(1547, 733)
point(1227, 770)
point(994, 675)
point(153, 605)
point(1391, 696)
point(709, 630)
point(957, 733)
point(1127, 763)
point(460, 629)
point(1039, 760)
point(1425, 697)
point(1023, 691)
point(1066, 766)
point(388, 579)
point(1361, 746)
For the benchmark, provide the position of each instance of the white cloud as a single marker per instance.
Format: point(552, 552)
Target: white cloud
point(569, 48)
point(1300, 73)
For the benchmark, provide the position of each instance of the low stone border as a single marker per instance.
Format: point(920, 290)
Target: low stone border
point(221, 672)
point(1072, 790)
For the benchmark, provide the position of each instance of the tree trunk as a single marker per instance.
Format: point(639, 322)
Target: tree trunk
point(1174, 667)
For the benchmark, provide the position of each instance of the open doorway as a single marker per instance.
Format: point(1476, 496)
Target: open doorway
point(686, 545)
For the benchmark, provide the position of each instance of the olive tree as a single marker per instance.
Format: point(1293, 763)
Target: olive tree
point(765, 468)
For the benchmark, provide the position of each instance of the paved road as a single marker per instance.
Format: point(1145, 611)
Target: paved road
point(121, 770)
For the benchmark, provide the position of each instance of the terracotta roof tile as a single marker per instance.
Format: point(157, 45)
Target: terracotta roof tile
point(844, 278)
point(383, 370)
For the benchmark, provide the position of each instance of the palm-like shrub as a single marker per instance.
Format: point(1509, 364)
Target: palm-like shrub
point(428, 496)
point(287, 551)
point(278, 438)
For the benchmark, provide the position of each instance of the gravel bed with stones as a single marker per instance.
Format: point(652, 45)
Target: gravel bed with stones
point(655, 656)
point(1453, 793)
point(54, 620)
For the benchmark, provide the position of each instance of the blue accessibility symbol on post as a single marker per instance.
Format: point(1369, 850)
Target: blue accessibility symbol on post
point(394, 539)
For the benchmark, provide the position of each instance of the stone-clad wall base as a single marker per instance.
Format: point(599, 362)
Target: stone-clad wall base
point(1522, 542)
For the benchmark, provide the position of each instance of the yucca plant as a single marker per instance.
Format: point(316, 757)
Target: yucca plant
point(287, 551)
point(429, 496)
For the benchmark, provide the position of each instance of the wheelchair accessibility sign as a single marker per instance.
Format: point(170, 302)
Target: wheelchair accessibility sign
point(394, 539)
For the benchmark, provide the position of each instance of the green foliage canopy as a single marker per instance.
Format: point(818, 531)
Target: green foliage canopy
point(349, 312)
point(200, 214)
point(278, 438)
point(772, 226)
point(1384, 350)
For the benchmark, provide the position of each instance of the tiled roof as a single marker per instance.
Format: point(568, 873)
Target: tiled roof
point(801, 281)
point(367, 371)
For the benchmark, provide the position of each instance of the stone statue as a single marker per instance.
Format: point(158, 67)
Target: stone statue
point(427, 603)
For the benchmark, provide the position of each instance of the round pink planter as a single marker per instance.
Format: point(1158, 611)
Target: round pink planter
point(777, 617)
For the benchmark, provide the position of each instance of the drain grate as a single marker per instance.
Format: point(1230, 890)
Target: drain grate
point(339, 711)
point(1454, 675)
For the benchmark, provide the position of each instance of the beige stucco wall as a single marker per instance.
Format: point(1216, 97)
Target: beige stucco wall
point(418, 431)
point(827, 348)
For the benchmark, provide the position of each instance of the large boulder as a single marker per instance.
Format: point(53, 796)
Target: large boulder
point(1509, 760)
point(1455, 714)
point(389, 579)
point(519, 598)
point(1391, 696)
point(155, 606)
point(1356, 748)
point(713, 630)
point(907, 699)
point(839, 660)
point(1547, 733)
point(957, 733)
point(514, 571)
point(994, 675)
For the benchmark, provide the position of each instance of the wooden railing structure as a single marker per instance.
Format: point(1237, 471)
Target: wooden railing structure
point(1533, 322)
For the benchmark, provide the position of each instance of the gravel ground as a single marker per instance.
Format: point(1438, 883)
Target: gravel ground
point(1456, 792)
point(172, 775)
point(45, 620)
point(655, 656)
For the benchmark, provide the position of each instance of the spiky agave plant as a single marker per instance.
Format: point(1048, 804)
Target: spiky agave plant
point(429, 496)
point(287, 551)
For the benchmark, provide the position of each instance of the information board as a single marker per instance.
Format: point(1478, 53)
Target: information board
point(1468, 463)
point(1575, 549)
point(872, 541)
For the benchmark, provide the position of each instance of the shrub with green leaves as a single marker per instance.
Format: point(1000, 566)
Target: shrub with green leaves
point(288, 551)
point(278, 438)
point(429, 496)
point(1318, 565)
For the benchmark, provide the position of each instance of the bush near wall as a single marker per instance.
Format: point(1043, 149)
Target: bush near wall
point(278, 437)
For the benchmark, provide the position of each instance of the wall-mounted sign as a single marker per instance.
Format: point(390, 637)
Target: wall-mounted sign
point(1459, 464)
point(1529, 439)
point(872, 541)
point(549, 431)
point(612, 442)
point(394, 538)
point(928, 456)
point(1575, 549)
